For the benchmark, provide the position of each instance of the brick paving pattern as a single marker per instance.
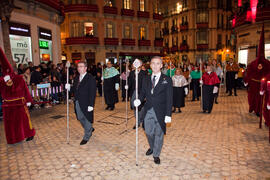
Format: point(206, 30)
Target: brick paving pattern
point(226, 144)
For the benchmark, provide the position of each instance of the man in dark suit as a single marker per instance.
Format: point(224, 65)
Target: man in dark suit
point(157, 89)
point(84, 89)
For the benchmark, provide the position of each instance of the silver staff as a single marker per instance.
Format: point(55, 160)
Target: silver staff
point(67, 66)
point(126, 88)
point(102, 84)
point(201, 84)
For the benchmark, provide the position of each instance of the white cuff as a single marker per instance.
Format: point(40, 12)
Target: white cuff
point(7, 78)
point(268, 106)
point(28, 104)
point(67, 87)
point(117, 86)
point(215, 90)
point(137, 103)
point(90, 108)
point(168, 119)
point(245, 84)
point(186, 91)
point(261, 93)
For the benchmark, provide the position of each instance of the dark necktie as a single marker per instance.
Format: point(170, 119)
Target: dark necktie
point(78, 83)
point(153, 82)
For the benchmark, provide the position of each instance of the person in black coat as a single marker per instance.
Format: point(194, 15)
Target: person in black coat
point(84, 89)
point(157, 89)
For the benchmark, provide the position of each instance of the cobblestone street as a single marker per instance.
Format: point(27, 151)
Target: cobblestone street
point(226, 144)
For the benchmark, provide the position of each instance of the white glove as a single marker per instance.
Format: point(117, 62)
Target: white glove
point(102, 78)
point(236, 76)
point(137, 102)
point(117, 86)
point(7, 78)
point(67, 87)
point(126, 87)
point(186, 91)
point(28, 104)
point(215, 90)
point(245, 84)
point(268, 106)
point(90, 108)
point(261, 93)
point(168, 119)
point(201, 82)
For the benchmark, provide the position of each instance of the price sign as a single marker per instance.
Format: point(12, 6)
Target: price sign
point(21, 49)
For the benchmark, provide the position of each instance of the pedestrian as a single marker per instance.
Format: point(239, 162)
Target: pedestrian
point(179, 90)
point(84, 89)
point(195, 76)
point(158, 91)
point(111, 86)
point(99, 83)
point(210, 86)
point(231, 76)
point(217, 69)
point(124, 77)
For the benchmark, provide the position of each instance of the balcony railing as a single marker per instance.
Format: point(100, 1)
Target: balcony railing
point(183, 47)
point(174, 29)
point(127, 12)
point(174, 49)
point(143, 14)
point(184, 27)
point(157, 16)
point(263, 14)
point(202, 25)
point(110, 10)
point(81, 8)
point(158, 42)
point(202, 47)
point(82, 40)
point(128, 42)
point(111, 41)
point(55, 4)
point(144, 42)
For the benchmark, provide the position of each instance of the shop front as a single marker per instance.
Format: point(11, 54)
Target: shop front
point(45, 45)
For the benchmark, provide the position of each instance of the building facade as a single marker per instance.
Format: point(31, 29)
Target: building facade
point(34, 31)
point(102, 30)
point(247, 28)
point(195, 30)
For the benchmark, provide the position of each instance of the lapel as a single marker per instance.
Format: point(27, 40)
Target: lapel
point(157, 87)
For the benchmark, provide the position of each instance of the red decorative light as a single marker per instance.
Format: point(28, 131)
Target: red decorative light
point(233, 22)
point(248, 18)
point(239, 3)
point(253, 6)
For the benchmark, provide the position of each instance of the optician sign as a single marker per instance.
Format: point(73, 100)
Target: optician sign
point(20, 42)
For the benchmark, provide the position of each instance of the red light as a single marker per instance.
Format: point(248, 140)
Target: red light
point(248, 18)
point(233, 22)
point(253, 6)
point(239, 3)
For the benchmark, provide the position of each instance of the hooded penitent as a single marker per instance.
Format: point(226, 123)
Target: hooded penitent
point(257, 70)
point(15, 95)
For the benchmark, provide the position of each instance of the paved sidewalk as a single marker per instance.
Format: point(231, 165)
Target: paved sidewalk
point(226, 144)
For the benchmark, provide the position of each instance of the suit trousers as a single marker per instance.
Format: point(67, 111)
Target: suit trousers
point(153, 131)
point(87, 126)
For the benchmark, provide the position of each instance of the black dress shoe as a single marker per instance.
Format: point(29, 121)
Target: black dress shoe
point(179, 110)
point(83, 142)
point(149, 152)
point(30, 138)
point(230, 95)
point(107, 107)
point(111, 108)
point(204, 111)
point(157, 160)
point(209, 112)
point(258, 114)
point(134, 127)
point(173, 111)
point(93, 129)
point(235, 94)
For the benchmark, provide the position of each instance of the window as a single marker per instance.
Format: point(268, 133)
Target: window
point(141, 5)
point(127, 4)
point(88, 29)
point(243, 56)
point(166, 24)
point(156, 6)
point(157, 33)
point(202, 4)
point(174, 22)
point(220, 4)
point(127, 31)
point(185, 5)
point(202, 16)
point(110, 3)
point(184, 39)
point(202, 37)
point(219, 39)
point(142, 33)
point(75, 29)
point(174, 41)
point(109, 30)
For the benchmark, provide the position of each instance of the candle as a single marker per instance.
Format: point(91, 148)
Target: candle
point(262, 84)
point(268, 85)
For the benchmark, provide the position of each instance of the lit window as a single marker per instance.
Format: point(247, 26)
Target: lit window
point(127, 4)
point(142, 5)
point(142, 33)
point(202, 37)
point(75, 29)
point(109, 30)
point(88, 29)
point(127, 33)
point(179, 7)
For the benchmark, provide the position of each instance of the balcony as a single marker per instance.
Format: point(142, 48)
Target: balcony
point(165, 31)
point(111, 41)
point(263, 14)
point(174, 49)
point(183, 47)
point(81, 8)
point(157, 16)
point(143, 14)
point(144, 42)
point(158, 42)
point(127, 12)
point(128, 42)
point(202, 25)
point(202, 47)
point(82, 40)
point(55, 4)
point(183, 27)
point(110, 10)
point(174, 29)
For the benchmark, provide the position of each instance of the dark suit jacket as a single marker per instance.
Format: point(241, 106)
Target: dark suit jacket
point(132, 81)
point(161, 99)
point(85, 94)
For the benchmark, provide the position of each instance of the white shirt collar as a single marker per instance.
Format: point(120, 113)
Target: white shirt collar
point(157, 77)
point(82, 76)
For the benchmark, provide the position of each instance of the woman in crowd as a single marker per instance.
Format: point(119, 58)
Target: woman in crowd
point(195, 76)
point(179, 90)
